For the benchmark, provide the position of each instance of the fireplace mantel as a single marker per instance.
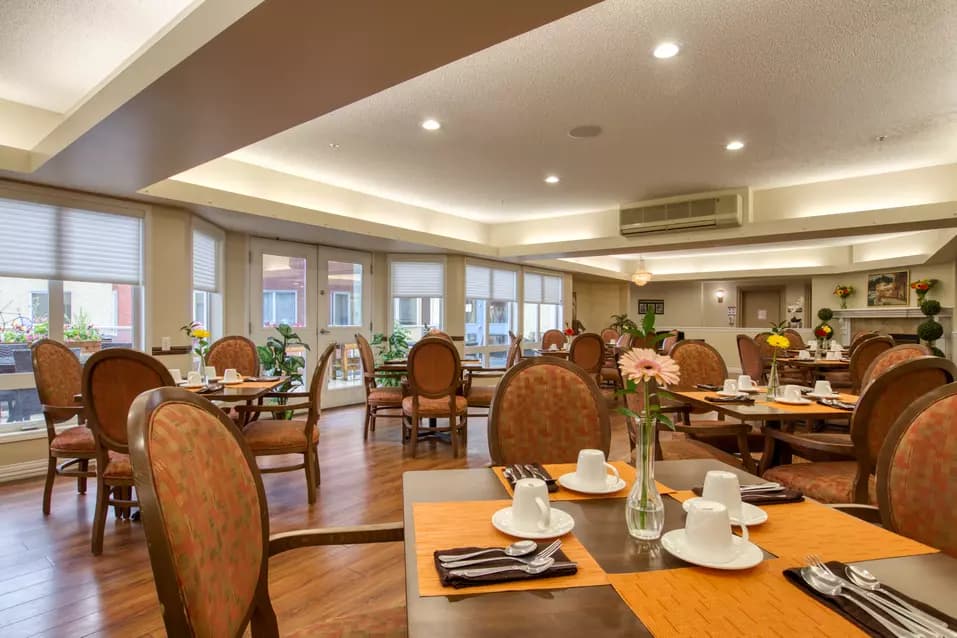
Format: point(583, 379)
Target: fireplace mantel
point(888, 312)
point(892, 320)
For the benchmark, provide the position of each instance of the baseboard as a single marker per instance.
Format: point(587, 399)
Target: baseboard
point(26, 469)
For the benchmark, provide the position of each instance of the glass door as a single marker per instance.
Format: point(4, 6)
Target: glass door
point(344, 310)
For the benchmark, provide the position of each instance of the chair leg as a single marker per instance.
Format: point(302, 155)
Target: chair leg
point(310, 468)
point(84, 466)
point(366, 425)
point(318, 474)
point(414, 434)
point(454, 434)
point(465, 433)
point(372, 420)
point(99, 515)
point(48, 486)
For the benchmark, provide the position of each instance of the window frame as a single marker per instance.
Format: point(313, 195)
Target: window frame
point(430, 259)
point(486, 350)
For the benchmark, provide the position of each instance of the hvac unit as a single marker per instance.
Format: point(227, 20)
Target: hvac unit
point(673, 214)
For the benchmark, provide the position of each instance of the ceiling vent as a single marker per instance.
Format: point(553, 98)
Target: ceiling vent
point(680, 214)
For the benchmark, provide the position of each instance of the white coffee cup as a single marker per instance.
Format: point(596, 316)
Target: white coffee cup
point(745, 382)
point(210, 372)
point(723, 487)
point(791, 392)
point(730, 385)
point(230, 375)
point(708, 532)
point(531, 511)
point(804, 354)
point(194, 378)
point(554, 346)
point(176, 374)
point(833, 356)
point(823, 387)
point(592, 470)
point(836, 347)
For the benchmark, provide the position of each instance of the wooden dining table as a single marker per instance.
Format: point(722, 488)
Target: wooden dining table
point(557, 611)
point(817, 367)
point(246, 392)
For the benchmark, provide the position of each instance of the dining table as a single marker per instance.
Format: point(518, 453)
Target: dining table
point(250, 390)
point(626, 587)
point(818, 368)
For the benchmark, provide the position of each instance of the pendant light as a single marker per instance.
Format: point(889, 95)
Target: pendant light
point(641, 276)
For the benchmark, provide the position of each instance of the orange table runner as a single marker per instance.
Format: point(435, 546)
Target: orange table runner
point(625, 470)
point(469, 523)
point(710, 602)
point(794, 530)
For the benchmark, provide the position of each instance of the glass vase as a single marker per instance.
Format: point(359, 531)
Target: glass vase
point(774, 381)
point(843, 302)
point(644, 510)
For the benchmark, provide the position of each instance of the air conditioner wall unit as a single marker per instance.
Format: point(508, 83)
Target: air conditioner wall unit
point(674, 214)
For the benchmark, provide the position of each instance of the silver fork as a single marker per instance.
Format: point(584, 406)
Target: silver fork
point(533, 560)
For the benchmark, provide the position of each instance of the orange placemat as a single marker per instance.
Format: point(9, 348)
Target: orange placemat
point(709, 602)
point(469, 523)
point(794, 530)
point(625, 470)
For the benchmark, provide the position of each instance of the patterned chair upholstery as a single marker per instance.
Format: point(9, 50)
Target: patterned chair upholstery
point(553, 337)
point(481, 395)
point(609, 334)
point(435, 375)
point(587, 351)
point(59, 375)
point(864, 354)
point(609, 372)
point(877, 410)
point(205, 517)
point(112, 379)
point(858, 337)
point(890, 358)
point(234, 352)
point(381, 400)
point(276, 437)
point(750, 356)
point(700, 363)
point(545, 411)
point(668, 343)
point(917, 471)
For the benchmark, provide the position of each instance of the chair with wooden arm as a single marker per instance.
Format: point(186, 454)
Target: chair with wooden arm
point(587, 350)
point(381, 400)
point(59, 376)
point(207, 524)
point(279, 436)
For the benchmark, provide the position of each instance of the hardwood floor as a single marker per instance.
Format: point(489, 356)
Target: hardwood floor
point(51, 585)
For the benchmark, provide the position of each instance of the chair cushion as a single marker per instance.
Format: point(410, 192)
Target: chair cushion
point(679, 449)
point(385, 396)
point(78, 439)
point(273, 434)
point(435, 407)
point(481, 395)
point(828, 482)
point(379, 623)
point(118, 466)
point(610, 374)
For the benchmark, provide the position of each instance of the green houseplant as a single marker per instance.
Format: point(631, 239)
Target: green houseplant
point(930, 330)
point(623, 324)
point(277, 361)
point(389, 347)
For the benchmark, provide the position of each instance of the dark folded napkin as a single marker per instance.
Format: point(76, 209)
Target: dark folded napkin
point(564, 568)
point(210, 388)
point(513, 475)
point(741, 398)
point(839, 405)
point(852, 612)
point(705, 386)
point(765, 498)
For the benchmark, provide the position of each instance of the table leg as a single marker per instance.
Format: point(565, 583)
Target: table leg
point(775, 453)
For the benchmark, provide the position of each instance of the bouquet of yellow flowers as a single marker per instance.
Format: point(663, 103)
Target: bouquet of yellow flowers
point(844, 292)
point(200, 336)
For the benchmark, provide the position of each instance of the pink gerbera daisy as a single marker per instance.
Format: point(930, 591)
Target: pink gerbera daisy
point(644, 364)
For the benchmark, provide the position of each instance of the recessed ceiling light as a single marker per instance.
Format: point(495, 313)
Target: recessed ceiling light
point(666, 50)
point(552, 179)
point(334, 146)
point(431, 125)
point(735, 145)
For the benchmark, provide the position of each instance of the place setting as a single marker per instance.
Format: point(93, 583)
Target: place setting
point(591, 476)
point(740, 390)
point(530, 515)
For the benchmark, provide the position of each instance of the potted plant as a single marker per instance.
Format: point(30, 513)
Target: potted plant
point(843, 292)
point(82, 333)
point(922, 287)
point(824, 331)
point(622, 324)
point(930, 330)
point(388, 348)
point(277, 361)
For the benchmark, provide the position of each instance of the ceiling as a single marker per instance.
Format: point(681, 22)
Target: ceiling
point(808, 86)
point(54, 53)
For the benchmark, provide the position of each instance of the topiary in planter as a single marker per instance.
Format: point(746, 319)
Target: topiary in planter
point(825, 314)
point(930, 331)
point(930, 307)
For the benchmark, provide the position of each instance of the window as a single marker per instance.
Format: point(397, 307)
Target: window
point(542, 305)
point(491, 310)
point(284, 278)
point(345, 298)
point(207, 295)
point(417, 291)
point(60, 280)
point(280, 306)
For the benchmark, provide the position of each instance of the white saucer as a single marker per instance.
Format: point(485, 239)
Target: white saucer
point(751, 390)
point(570, 481)
point(793, 401)
point(237, 381)
point(562, 523)
point(833, 395)
point(722, 393)
point(753, 515)
point(193, 385)
point(676, 545)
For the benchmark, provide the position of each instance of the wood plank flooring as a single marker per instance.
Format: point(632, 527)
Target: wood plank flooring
point(51, 585)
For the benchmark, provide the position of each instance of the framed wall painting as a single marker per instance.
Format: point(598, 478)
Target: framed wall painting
point(655, 306)
point(888, 288)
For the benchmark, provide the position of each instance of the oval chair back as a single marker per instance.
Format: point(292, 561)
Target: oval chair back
point(624, 342)
point(889, 358)
point(435, 369)
point(795, 338)
point(750, 355)
point(884, 400)
point(59, 377)
point(766, 351)
point(514, 352)
point(858, 337)
point(587, 350)
point(609, 334)
point(669, 342)
point(435, 332)
point(234, 352)
point(367, 360)
point(553, 337)
point(916, 467)
point(862, 357)
point(699, 363)
point(544, 411)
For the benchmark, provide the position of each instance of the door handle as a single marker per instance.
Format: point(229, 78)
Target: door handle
point(323, 331)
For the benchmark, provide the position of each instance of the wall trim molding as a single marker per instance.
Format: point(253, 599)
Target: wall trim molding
point(26, 469)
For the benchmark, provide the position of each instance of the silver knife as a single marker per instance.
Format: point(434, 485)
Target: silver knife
point(535, 472)
point(519, 567)
point(517, 469)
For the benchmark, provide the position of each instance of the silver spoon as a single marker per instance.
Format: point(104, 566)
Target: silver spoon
point(518, 548)
point(534, 560)
point(829, 589)
point(866, 580)
point(485, 571)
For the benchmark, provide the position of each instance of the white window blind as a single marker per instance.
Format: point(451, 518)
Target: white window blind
point(418, 279)
point(533, 288)
point(551, 289)
point(205, 262)
point(68, 244)
point(504, 285)
point(478, 282)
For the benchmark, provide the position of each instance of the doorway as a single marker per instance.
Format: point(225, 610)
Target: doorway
point(760, 307)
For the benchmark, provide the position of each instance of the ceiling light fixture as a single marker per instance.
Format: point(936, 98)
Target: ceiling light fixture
point(666, 50)
point(431, 125)
point(334, 146)
point(552, 179)
point(641, 276)
point(734, 145)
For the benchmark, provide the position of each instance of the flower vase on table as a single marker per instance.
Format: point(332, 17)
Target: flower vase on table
point(778, 343)
point(645, 511)
point(774, 382)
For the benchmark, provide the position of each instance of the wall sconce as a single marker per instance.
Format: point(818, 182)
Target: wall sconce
point(719, 295)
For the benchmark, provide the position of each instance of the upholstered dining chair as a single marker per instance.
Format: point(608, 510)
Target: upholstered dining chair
point(480, 395)
point(381, 400)
point(864, 354)
point(858, 337)
point(668, 342)
point(434, 378)
point(795, 338)
point(750, 356)
point(587, 350)
point(890, 358)
point(700, 363)
point(917, 471)
point(207, 524)
point(553, 337)
point(878, 408)
point(59, 376)
point(234, 352)
point(609, 372)
point(275, 437)
point(609, 334)
point(435, 332)
point(112, 379)
point(545, 411)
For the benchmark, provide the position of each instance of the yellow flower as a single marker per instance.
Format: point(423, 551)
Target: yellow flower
point(201, 334)
point(779, 341)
